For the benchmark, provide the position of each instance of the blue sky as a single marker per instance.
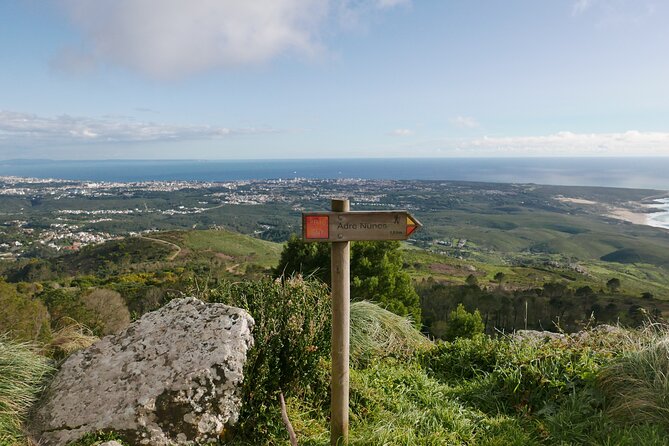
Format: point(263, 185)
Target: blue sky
point(217, 79)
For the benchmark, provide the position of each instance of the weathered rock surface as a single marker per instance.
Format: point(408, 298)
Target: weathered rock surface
point(537, 336)
point(172, 377)
point(583, 335)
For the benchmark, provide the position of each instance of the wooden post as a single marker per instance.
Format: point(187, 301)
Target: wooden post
point(341, 311)
point(340, 227)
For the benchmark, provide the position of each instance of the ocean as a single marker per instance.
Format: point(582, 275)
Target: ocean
point(660, 219)
point(649, 173)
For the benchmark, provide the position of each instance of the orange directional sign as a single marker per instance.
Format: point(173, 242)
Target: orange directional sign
point(356, 226)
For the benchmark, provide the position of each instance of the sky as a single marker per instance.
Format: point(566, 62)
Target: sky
point(281, 79)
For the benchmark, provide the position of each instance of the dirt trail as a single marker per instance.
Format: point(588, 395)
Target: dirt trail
point(174, 254)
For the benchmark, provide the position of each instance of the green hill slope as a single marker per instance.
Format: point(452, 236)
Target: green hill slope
point(230, 251)
point(225, 245)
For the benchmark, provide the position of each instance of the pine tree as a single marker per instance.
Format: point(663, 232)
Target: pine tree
point(376, 272)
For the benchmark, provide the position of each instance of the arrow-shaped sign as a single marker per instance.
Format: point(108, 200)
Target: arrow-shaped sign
point(356, 226)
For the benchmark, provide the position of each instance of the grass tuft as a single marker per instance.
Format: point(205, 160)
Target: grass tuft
point(21, 374)
point(377, 333)
point(69, 339)
point(636, 385)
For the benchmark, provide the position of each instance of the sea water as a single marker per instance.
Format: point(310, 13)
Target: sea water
point(648, 173)
point(660, 219)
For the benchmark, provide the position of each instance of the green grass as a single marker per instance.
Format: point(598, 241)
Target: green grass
point(396, 403)
point(487, 391)
point(21, 374)
point(635, 278)
point(600, 387)
point(238, 247)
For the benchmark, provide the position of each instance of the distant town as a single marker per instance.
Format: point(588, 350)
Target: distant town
point(45, 217)
point(76, 208)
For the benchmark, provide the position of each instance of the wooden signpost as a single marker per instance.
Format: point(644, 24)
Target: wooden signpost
point(340, 227)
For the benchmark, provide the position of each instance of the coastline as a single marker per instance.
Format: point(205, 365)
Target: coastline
point(654, 214)
point(637, 218)
point(658, 217)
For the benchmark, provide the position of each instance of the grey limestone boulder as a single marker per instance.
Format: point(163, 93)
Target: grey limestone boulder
point(173, 377)
point(537, 336)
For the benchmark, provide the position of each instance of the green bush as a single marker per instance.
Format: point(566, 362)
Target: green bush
point(22, 316)
point(376, 272)
point(64, 306)
point(514, 375)
point(462, 324)
point(531, 376)
point(464, 358)
point(291, 334)
point(21, 374)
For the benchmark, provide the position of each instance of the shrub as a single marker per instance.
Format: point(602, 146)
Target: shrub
point(22, 316)
point(613, 285)
point(464, 358)
point(462, 324)
point(532, 376)
point(107, 312)
point(63, 307)
point(21, 373)
point(291, 334)
point(376, 272)
point(377, 333)
point(518, 375)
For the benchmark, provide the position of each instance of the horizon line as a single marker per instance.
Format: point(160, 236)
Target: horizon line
point(10, 160)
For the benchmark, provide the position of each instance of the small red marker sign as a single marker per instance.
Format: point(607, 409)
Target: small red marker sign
point(316, 227)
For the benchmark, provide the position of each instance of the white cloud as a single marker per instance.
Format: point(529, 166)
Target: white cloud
point(170, 39)
point(402, 132)
point(563, 144)
point(465, 122)
point(580, 6)
point(30, 129)
point(615, 13)
point(391, 3)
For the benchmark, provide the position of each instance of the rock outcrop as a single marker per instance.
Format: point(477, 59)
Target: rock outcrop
point(580, 336)
point(173, 377)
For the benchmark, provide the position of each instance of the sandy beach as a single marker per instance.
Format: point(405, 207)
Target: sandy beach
point(658, 217)
point(636, 213)
point(638, 218)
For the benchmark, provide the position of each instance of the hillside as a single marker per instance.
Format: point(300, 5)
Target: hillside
point(222, 244)
point(232, 252)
